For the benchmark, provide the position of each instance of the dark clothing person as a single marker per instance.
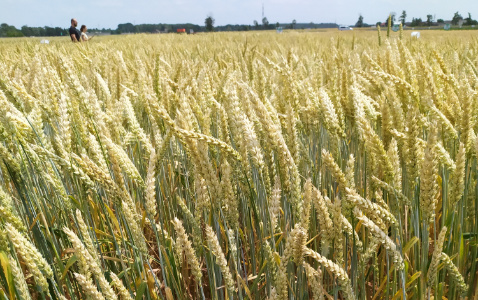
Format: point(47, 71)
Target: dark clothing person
point(76, 32)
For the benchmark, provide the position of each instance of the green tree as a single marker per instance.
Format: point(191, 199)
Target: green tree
point(27, 31)
point(209, 22)
point(14, 33)
point(441, 21)
point(469, 20)
point(256, 25)
point(9, 31)
point(359, 21)
point(456, 18)
point(416, 22)
point(403, 17)
point(429, 20)
point(265, 23)
point(127, 27)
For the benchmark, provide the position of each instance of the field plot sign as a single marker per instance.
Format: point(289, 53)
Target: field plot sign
point(396, 27)
point(44, 42)
point(279, 29)
point(416, 34)
point(447, 26)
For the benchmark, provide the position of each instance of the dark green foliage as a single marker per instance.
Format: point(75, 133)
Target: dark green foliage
point(456, 18)
point(359, 22)
point(209, 22)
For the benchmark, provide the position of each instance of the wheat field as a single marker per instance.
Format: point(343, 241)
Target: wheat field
point(301, 165)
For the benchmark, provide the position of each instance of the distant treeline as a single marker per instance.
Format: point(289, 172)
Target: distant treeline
point(10, 31)
point(156, 28)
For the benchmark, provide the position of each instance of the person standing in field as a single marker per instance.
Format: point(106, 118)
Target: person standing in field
point(74, 33)
point(84, 37)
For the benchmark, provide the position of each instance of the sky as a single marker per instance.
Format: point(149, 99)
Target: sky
point(110, 13)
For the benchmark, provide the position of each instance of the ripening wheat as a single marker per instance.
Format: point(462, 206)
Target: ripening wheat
point(240, 166)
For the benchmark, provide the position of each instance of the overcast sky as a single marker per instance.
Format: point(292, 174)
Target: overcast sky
point(109, 13)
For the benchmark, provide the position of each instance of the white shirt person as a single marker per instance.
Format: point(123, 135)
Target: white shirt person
point(84, 37)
